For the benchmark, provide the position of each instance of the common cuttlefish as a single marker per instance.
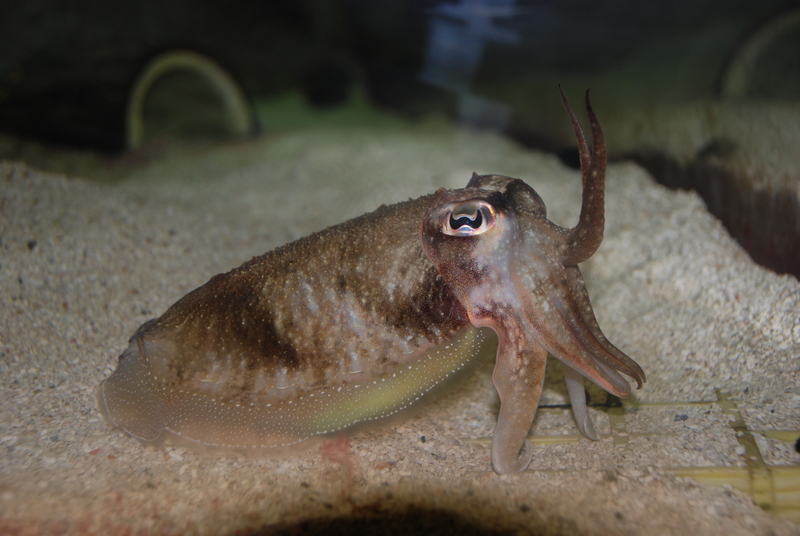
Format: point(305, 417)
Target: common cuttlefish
point(362, 320)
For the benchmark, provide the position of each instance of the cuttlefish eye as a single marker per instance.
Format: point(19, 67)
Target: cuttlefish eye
point(469, 219)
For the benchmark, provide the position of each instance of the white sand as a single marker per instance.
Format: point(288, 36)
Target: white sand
point(84, 263)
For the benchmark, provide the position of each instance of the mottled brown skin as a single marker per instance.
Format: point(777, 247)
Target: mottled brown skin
point(262, 318)
point(269, 354)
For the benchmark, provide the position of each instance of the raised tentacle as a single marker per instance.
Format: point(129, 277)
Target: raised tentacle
point(583, 148)
point(584, 239)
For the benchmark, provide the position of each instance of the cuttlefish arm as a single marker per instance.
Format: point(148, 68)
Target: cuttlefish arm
point(515, 271)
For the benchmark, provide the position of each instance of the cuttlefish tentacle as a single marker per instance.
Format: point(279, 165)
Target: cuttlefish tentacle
point(566, 336)
point(577, 398)
point(519, 379)
point(516, 272)
point(585, 238)
point(619, 361)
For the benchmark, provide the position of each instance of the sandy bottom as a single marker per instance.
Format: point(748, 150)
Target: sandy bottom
point(85, 262)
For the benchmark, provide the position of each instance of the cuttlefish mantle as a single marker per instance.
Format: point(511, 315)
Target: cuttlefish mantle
point(365, 320)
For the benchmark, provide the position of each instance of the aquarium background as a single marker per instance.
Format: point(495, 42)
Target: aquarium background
point(147, 146)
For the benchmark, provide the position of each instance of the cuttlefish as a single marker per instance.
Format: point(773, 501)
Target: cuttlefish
point(362, 321)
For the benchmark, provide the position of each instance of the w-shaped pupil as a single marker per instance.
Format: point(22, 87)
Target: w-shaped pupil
point(457, 223)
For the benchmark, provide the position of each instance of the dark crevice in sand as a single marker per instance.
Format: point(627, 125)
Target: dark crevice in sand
point(765, 222)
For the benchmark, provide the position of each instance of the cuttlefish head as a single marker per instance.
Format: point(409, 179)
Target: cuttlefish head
point(516, 271)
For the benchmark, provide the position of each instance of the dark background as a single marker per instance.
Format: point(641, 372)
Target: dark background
point(66, 68)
